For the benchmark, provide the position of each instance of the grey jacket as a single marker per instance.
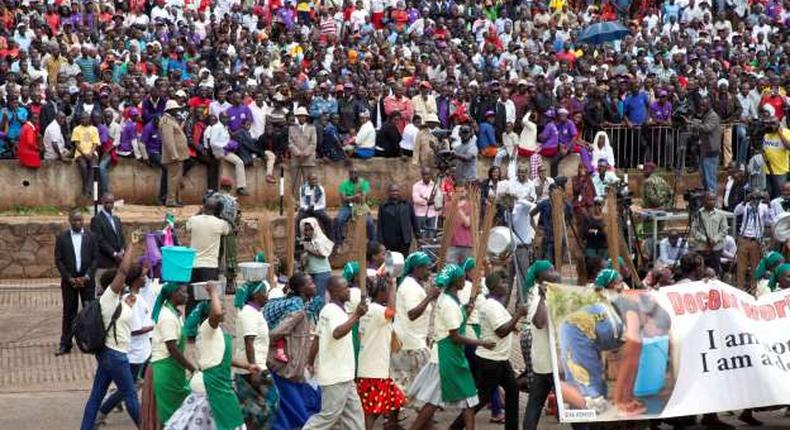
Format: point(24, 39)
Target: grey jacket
point(709, 129)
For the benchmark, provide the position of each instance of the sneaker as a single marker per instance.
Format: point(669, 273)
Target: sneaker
point(242, 192)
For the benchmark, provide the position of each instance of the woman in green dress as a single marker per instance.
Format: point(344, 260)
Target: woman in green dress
point(446, 381)
point(168, 363)
point(213, 403)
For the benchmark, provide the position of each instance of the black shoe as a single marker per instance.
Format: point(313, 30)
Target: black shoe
point(747, 417)
point(242, 192)
point(62, 351)
point(712, 422)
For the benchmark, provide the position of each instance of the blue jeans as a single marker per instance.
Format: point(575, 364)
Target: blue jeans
point(113, 366)
point(710, 166)
point(320, 280)
point(343, 215)
point(138, 369)
point(104, 174)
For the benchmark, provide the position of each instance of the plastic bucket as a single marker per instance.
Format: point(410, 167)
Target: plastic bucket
point(651, 374)
point(254, 271)
point(177, 262)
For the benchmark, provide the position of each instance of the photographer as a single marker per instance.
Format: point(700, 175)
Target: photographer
point(776, 144)
point(707, 233)
point(709, 130)
point(756, 215)
point(466, 154)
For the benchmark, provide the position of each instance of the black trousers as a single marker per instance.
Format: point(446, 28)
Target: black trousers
point(713, 260)
point(212, 168)
point(542, 384)
point(493, 374)
point(72, 297)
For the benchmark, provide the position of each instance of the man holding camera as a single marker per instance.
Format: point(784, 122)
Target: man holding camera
point(466, 154)
point(755, 216)
point(776, 144)
point(709, 130)
point(707, 233)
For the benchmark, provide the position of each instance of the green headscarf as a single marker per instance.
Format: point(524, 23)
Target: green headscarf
point(195, 318)
point(260, 257)
point(778, 273)
point(247, 291)
point(469, 264)
point(413, 261)
point(620, 262)
point(350, 270)
point(449, 274)
point(162, 299)
point(536, 269)
point(770, 260)
point(605, 277)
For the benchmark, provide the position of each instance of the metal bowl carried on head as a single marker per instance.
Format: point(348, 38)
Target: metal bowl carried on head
point(254, 271)
point(782, 227)
point(393, 263)
point(500, 242)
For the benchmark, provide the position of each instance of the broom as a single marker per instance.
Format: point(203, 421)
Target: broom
point(612, 229)
point(290, 228)
point(265, 233)
point(480, 249)
point(447, 229)
point(360, 250)
point(557, 224)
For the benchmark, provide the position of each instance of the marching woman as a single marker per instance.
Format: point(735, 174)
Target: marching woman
point(765, 272)
point(168, 363)
point(257, 393)
point(539, 271)
point(113, 361)
point(291, 320)
point(377, 391)
point(446, 381)
point(213, 403)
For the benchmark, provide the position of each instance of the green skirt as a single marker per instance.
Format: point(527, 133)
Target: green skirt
point(170, 386)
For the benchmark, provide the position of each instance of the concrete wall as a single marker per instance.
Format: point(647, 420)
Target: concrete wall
point(59, 183)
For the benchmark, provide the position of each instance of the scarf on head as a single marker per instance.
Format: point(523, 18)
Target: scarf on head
point(536, 269)
point(469, 264)
point(320, 243)
point(413, 261)
point(247, 291)
point(449, 274)
point(162, 300)
point(605, 277)
point(350, 271)
point(195, 318)
point(778, 273)
point(770, 260)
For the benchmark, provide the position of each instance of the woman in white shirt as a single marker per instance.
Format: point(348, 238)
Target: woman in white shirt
point(377, 391)
point(212, 399)
point(113, 361)
point(257, 393)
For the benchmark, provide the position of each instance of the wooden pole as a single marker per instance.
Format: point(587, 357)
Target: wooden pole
point(447, 229)
point(360, 250)
point(612, 229)
point(557, 220)
point(480, 250)
point(290, 234)
point(267, 241)
point(474, 203)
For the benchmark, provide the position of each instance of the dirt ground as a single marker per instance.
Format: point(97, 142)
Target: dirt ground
point(41, 391)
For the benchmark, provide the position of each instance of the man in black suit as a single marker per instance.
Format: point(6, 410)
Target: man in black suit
point(108, 232)
point(76, 256)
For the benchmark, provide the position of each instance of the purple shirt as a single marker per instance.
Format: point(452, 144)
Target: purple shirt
point(237, 115)
point(659, 112)
point(151, 138)
point(566, 131)
point(128, 135)
point(104, 133)
point(287, 16)
point(549, 137)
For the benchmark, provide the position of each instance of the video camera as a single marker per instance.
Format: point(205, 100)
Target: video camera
point(694, 199)
point(441, 133)
point(624, 195)
point(445, 160)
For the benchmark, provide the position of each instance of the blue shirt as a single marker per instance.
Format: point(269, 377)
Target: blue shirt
point(487, 136)
point(635, 107)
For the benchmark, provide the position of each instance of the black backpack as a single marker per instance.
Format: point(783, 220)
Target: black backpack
point(89, 330)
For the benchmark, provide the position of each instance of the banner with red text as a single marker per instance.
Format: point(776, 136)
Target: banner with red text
point(686, 349)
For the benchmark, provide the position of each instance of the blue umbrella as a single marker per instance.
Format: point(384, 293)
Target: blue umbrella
point(602, 32)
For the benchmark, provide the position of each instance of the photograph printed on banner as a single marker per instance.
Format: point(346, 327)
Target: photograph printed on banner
point(612, 355)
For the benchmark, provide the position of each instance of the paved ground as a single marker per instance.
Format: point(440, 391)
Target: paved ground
point(40, 391)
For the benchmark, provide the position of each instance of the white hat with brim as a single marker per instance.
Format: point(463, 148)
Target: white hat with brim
point(300, 111)
point(172, 104)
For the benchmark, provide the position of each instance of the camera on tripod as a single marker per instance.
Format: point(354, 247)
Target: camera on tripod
point(623, 194)
point(694, 199)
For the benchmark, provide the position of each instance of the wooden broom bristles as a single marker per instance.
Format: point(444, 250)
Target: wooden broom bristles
point(447, 229)
point(360, 250)
point(290, 229)
point(557, 220)
point(267, 241)
point(612, 229)
point(480, 249)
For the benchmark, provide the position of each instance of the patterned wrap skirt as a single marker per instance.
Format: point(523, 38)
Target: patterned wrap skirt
point(379, 396)
point(194, 414)
point(406, 364)
point(258, 405)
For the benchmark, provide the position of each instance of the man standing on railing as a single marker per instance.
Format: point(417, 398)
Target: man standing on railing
point(749, 104)
point(728, 108)
point(709, 130)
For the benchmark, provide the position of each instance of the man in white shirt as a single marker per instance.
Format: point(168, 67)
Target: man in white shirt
point(259, 110)
point(365, 139)
point(520, 188)
point(54, 142)
point(312, 203)
point(217, 137)
point(754, 217)
point(781, 204)
point(335, 367)
point(671, 248)
point(603, 178)
point(206, 231)
point(409, 135)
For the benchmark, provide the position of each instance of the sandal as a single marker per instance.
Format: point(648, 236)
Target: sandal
point(497, 420)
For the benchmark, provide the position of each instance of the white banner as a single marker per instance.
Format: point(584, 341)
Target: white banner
point(686, 349)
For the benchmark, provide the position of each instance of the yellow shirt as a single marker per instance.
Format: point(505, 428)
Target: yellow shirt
point(776, 154)
point(303, 7)
point(86, 139)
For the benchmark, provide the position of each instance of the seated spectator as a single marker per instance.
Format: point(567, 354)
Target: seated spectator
point(217, 137)
point(353, 195)
point(486, 137)
point(312, 203)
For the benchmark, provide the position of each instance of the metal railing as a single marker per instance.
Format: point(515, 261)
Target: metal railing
point(667, 146)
